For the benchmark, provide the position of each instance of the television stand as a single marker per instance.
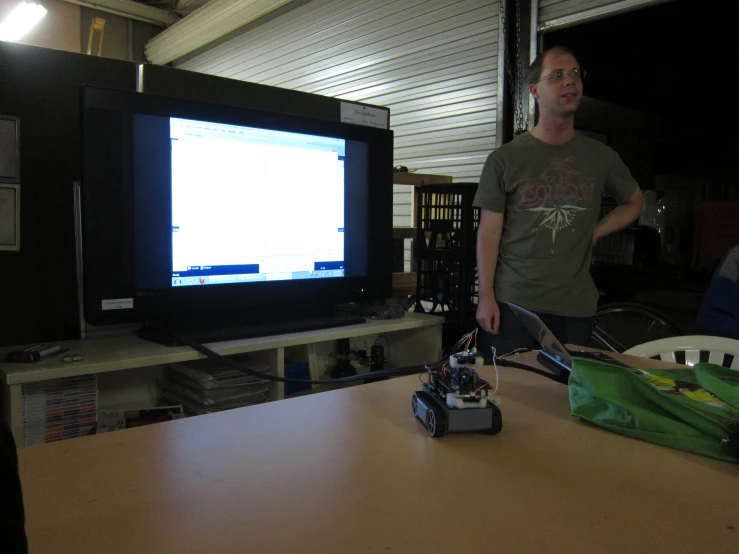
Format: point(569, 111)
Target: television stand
point(168, 335)
point(128, 367)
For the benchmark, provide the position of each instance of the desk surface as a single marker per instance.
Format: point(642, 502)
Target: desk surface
point(352, 471)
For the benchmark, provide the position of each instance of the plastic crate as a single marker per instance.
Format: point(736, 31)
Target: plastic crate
point(446, 237)
point(448, 287)
point(446, 221)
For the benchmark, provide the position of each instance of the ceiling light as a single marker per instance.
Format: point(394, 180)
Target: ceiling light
point(22, 19)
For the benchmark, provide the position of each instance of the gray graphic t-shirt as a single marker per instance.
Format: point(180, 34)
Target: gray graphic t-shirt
point(550, 195)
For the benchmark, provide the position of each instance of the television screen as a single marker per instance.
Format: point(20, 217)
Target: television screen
point(193, 209)
point(237, 163)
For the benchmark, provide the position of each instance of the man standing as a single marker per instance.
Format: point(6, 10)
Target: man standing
point(540, 198)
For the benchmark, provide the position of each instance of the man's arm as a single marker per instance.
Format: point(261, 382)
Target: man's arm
point(489, 232)
point(623, 216)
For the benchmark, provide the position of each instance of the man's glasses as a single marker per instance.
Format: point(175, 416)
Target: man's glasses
point(560, 74)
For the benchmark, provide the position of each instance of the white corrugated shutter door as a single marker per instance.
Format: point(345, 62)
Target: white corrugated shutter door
point(560, 13)
point(432, 62)
point(553, 9)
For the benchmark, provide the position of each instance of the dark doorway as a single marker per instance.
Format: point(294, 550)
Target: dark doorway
point(658, 91)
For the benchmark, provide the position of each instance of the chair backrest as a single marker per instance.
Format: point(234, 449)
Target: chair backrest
point(721, 351)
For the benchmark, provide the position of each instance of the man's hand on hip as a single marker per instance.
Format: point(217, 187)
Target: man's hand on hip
point(488, 314)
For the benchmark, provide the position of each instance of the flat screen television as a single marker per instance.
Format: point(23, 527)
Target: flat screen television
point(203, 215)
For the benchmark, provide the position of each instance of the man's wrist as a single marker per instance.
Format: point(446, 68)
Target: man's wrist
point(486, 294)
point(597, 235)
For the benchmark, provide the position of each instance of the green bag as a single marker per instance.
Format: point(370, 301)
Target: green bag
point(693, 408)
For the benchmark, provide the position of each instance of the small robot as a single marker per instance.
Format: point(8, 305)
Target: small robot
point(455, 399)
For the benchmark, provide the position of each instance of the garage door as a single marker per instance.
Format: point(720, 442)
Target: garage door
point(434, 63)
point(555, 14)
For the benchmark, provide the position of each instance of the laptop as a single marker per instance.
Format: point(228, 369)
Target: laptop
point(553, 355)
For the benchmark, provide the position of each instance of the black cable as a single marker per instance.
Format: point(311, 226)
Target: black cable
point(517, 365)
point(397, 372)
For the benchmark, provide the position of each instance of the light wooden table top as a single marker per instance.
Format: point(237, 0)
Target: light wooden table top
point(352, 471)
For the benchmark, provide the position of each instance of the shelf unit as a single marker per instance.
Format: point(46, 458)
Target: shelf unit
point(127, 366)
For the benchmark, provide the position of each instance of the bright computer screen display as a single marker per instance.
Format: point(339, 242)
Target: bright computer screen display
point(226, 183)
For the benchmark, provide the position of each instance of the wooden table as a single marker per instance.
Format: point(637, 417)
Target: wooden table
point(352, 471)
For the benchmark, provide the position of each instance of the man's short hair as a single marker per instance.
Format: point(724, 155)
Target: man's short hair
point(536, 66)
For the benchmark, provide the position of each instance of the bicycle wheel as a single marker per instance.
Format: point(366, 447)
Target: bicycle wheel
point(425, 306)
point(620, 325)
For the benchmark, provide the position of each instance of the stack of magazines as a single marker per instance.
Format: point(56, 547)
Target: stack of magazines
point(59, 409)
point(117, 420)
point(207, 386)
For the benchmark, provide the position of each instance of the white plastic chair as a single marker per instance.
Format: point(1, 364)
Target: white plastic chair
point(692, 345)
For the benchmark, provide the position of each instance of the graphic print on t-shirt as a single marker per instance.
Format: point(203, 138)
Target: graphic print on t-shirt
point(558, 194)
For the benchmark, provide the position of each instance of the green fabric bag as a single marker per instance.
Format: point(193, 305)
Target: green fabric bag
point(693, 408)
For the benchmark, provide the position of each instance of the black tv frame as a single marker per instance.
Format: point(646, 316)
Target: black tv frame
point(107, 222)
